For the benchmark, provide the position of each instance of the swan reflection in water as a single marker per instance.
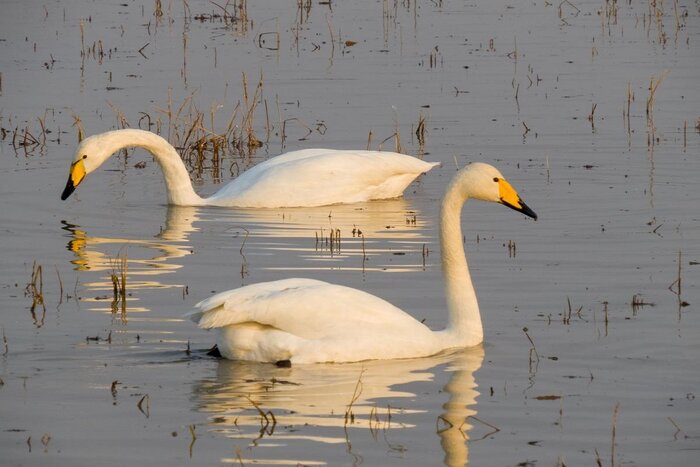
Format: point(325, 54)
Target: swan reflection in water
point(381, 227)
point(339, 237)
point(269, 407)
point(146, 259)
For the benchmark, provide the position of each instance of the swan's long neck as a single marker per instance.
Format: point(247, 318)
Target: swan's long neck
point(177, 180)
point(464, 320)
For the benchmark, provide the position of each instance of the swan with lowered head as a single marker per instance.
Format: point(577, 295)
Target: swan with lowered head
point(310, 321)
point(309, 177)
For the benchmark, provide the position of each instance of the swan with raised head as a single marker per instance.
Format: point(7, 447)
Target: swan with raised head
point(307, 321)
point(308, 177)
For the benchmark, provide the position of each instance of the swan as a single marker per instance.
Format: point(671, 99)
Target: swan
point(308, 177)
point(310, 321)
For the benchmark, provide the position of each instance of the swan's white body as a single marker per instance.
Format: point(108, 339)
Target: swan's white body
point(309, 177)
point(306, 321)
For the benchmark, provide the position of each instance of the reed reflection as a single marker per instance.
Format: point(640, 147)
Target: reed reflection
point(331, 235)
point(329, 404)
point(127, 262)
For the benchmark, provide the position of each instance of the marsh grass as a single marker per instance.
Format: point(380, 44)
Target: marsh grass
point(203, 139)
point(118, 276)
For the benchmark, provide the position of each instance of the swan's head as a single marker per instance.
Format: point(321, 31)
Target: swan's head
point(483, 181)
point(91, 153)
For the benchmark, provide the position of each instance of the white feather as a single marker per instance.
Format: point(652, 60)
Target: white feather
point(305, 320)
point(309, 177)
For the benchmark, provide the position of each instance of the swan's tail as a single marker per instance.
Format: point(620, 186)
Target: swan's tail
point(194, 315)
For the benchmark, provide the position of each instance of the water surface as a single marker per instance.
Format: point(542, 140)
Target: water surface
point(586, 327)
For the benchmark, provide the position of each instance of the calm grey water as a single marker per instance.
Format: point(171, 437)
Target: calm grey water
point(606, 370)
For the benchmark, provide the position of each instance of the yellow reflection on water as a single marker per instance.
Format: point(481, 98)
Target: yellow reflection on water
point(269, 406)
point(146, 259)
point(170, 244)
point(382, 235)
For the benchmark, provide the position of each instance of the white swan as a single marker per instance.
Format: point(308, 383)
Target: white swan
point(309, 177)
point(306, 321)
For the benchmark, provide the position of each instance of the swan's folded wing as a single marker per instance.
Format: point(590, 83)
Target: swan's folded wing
point(304, 307)
point(327, 177)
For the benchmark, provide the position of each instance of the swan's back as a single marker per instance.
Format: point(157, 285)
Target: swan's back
point(305, 320)
point(308, 308)
point(328, 176)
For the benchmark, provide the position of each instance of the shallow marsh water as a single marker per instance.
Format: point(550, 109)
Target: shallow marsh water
point(88, 380)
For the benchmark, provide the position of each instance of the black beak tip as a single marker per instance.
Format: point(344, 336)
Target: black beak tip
point(67, 190)
point(525, 209)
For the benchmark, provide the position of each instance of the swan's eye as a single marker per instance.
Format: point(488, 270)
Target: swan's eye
point(84, 156)
point(495, 179)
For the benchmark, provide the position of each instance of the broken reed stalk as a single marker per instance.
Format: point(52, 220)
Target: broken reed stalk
point(244, 263)
point(6, 347)
point(194, 437)
point(82, 37)
point(533, 349)
point(37, 292)
point(333, 240)
point(60, 286)
point(349, 416)
point(678, 281)
point(251, 105)
point(183, 72)
point(43, 129)
point(630, 97)
point(140, 405)
point(115, 288)
point(420, 133)
point(605, 310)
point(35, 288)
point(616, 411)
point(78, 124)
point(397, 133)
point(123, 270)
point(591, 116)
point(330, 30)
point(364, 254)
point(122, 122)
point(653, 87)
point(267, 424)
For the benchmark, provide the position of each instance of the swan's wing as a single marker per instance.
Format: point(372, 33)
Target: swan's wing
point(304, 307)
point(317, 177)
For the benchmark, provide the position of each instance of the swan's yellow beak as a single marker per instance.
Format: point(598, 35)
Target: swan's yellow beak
point(509, 197)
point(77, 174)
